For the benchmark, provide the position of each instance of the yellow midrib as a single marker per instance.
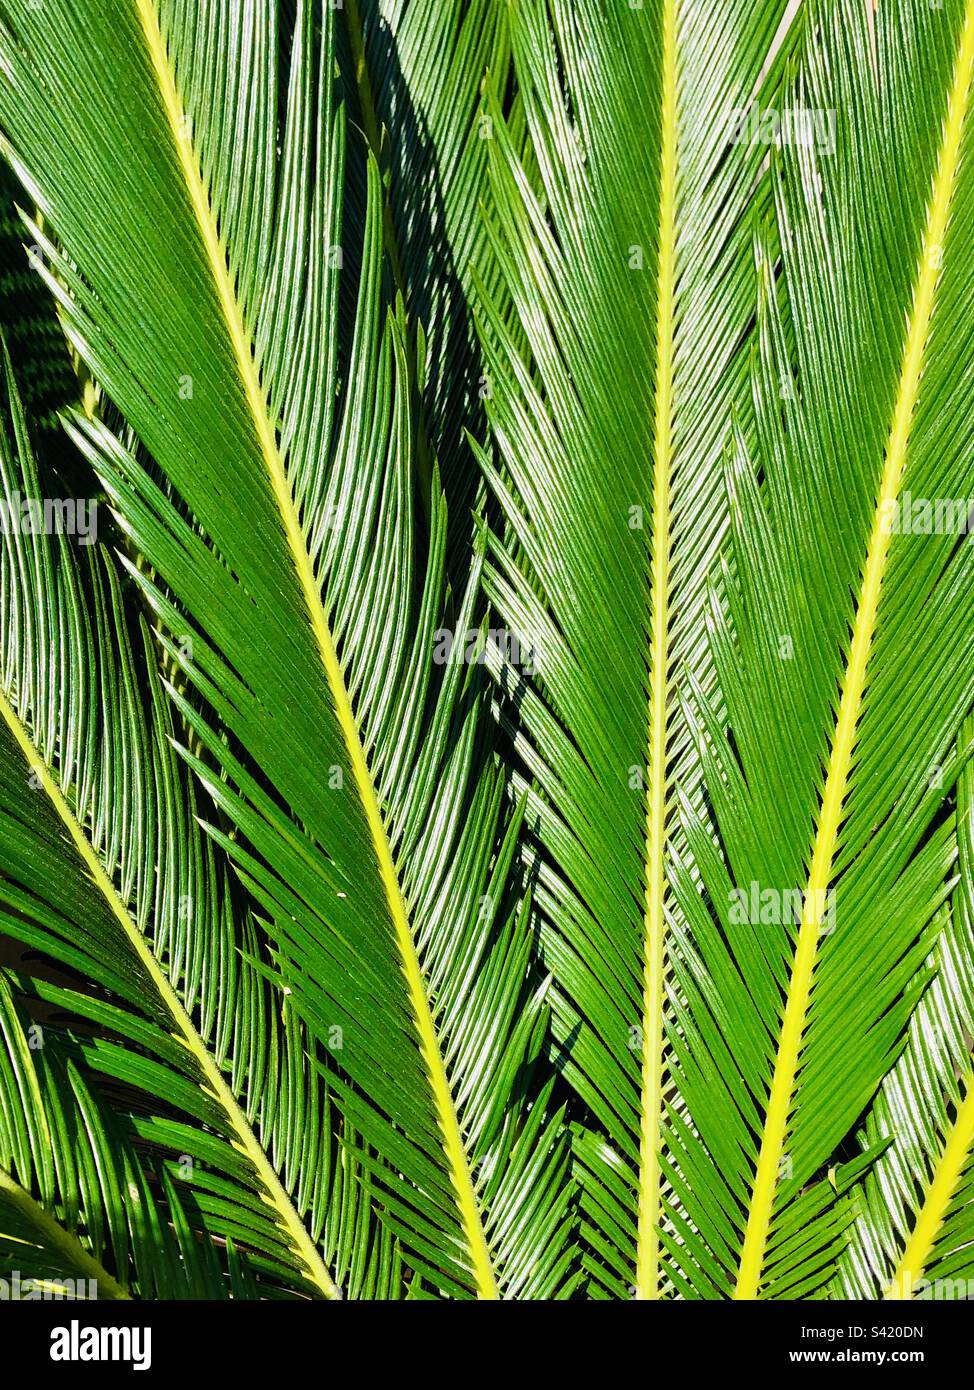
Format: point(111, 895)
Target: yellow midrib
point(654, 955)
point(453, 1146)
point(69, 1244)
point(948, 1174)
point(246, 1142)
point(796, 1008)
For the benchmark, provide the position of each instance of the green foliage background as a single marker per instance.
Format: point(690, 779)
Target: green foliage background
point(485, 808)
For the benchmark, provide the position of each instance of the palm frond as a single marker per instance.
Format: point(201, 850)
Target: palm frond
point(106, 872)
point(843, 657)
point(367, 819)
point(421, 69)
point(627, 259)
point(36, 1155)
point(486, 649)
point(914, 1222)
point(34, 339)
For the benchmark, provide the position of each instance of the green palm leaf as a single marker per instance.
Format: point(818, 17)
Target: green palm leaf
point(629, 271)
point(31, 1157)
point(106, 872)
point(489, 815)
point(366, 815)
point(33, 336)
point(422, 67)
point(915, 1218)
point(826, 785)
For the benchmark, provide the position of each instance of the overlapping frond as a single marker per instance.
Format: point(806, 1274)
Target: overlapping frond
point(365, 815)
point(77, 1190)
point(843, 656)
point(107, 876)
point(627, 261)
point(487, 803)
point(34, 339)
point(914, 1222)
point(422, 68)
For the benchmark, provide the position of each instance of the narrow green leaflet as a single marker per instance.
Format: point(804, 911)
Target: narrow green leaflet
point(53, 1239)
